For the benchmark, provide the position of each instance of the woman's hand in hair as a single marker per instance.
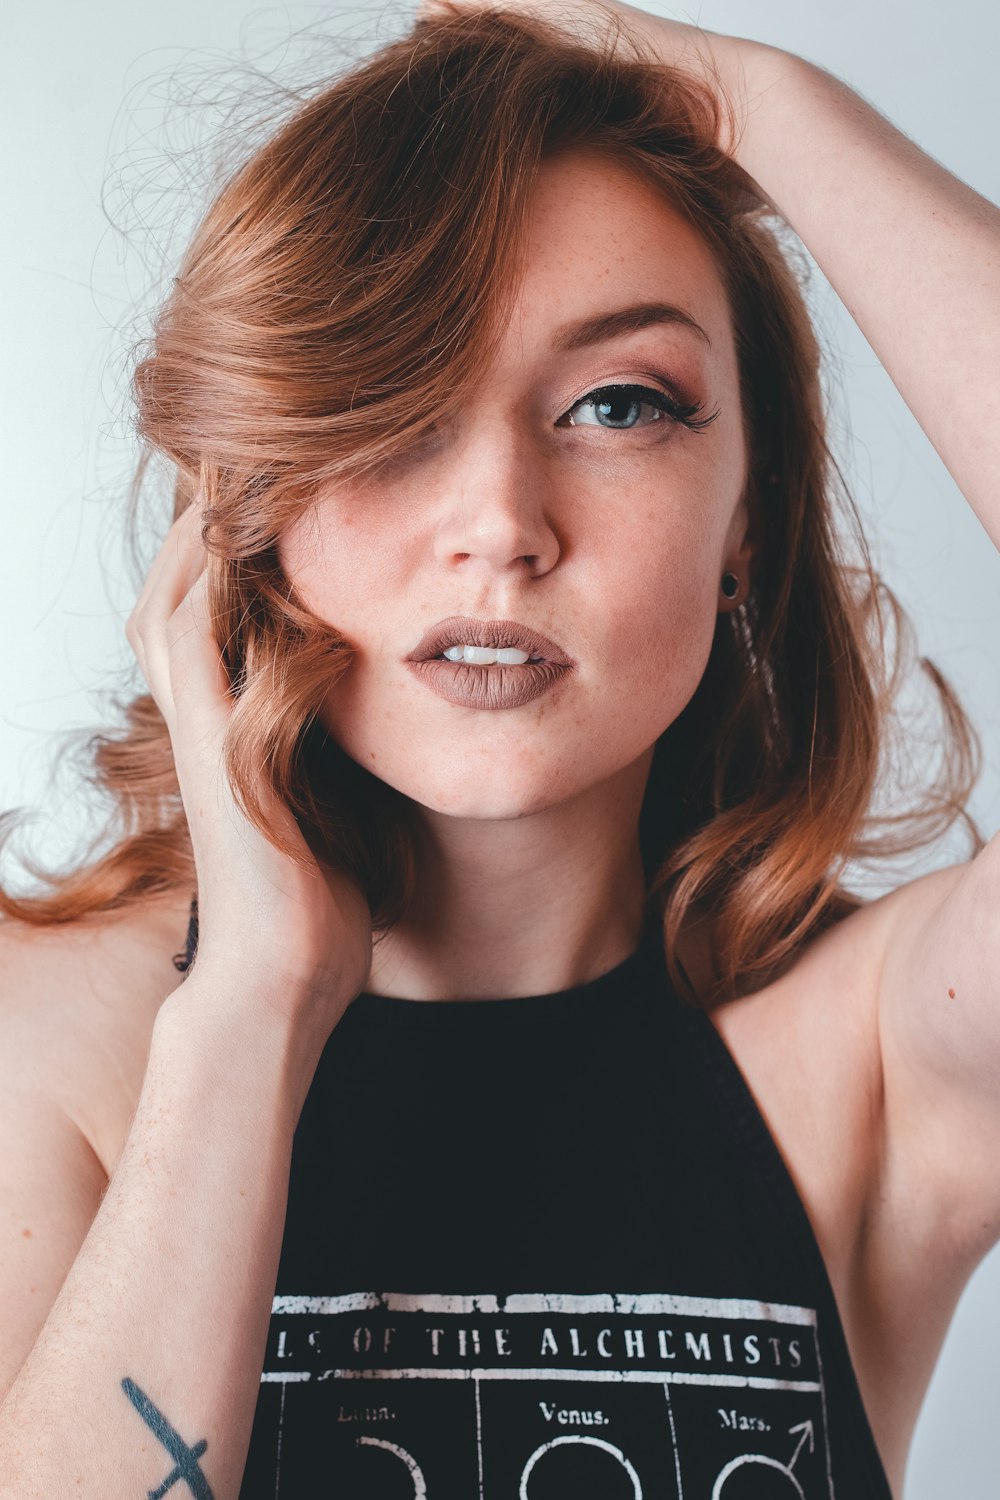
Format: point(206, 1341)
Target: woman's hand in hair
point(721, 60)
point(278, 924)
point(587, 21)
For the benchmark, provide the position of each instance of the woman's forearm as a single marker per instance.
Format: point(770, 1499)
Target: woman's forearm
point(150, 1359)
point(913, 252)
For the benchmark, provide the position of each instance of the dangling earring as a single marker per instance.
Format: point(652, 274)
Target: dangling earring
point(730, 585)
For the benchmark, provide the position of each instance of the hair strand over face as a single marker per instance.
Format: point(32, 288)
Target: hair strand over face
point(350, 277)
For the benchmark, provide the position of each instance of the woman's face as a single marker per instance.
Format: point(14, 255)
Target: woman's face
point(604, 524)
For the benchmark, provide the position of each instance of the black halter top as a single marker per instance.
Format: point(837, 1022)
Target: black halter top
point(543, 1248)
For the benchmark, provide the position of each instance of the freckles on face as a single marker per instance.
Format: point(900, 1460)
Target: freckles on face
point(660, 588)
point(635, 610)
point(610, 541)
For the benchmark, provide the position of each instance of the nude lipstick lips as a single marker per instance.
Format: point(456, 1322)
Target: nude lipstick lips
point(497, 685)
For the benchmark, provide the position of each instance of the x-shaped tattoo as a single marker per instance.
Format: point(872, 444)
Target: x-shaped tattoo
point(186, 1465)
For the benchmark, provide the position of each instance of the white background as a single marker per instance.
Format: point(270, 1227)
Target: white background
point(97, 193)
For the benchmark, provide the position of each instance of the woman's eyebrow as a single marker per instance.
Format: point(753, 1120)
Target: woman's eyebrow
point(624, 320)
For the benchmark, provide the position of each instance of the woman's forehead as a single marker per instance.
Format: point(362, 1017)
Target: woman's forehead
point(602, 237)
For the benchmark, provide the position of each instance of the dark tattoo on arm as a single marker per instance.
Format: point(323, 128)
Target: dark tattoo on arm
point(186, 1465)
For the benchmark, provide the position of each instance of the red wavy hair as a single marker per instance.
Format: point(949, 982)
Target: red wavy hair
point(345, 280)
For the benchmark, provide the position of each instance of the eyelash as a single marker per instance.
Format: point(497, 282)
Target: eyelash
point(686, 414)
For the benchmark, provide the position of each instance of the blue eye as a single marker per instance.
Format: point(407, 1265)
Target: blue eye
point(621, 407)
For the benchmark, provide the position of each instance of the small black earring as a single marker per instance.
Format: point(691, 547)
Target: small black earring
point(730, 585)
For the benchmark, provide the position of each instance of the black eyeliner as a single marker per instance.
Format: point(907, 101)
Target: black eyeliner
point(686, 414)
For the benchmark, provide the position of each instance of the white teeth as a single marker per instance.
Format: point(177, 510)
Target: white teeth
point(486, 656)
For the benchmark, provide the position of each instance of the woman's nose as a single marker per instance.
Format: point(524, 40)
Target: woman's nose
point(498, 516)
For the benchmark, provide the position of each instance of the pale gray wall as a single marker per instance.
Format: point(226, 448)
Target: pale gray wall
point(82, 114)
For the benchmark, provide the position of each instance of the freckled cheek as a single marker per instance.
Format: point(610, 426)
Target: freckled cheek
point(661, 637)
point(659, 672)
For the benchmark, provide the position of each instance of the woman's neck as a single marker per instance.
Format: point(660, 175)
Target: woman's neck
point(523, 906)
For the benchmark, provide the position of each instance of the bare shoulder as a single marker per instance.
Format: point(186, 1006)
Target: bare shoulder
point(810, 1046)
point(807, 1044)
point(820, 1017)
point(77, 1006)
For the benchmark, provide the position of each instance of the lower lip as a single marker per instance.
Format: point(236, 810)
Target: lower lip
point(488, 687)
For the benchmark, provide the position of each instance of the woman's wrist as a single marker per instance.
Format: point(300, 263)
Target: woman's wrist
point(262, 1032)
point(747, 76)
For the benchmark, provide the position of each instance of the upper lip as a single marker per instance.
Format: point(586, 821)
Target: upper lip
point(463, 630)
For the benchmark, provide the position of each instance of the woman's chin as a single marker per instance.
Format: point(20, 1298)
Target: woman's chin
point(486, 804)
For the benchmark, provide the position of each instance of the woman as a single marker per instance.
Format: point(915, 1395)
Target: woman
point(503, 621)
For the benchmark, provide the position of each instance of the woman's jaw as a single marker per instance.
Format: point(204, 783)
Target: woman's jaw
point(594, 522)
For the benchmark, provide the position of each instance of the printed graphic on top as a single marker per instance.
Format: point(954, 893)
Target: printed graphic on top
point(394, 1396)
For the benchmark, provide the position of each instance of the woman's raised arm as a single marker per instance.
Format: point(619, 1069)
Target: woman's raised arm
point(146, 1371)
point(914, 253)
